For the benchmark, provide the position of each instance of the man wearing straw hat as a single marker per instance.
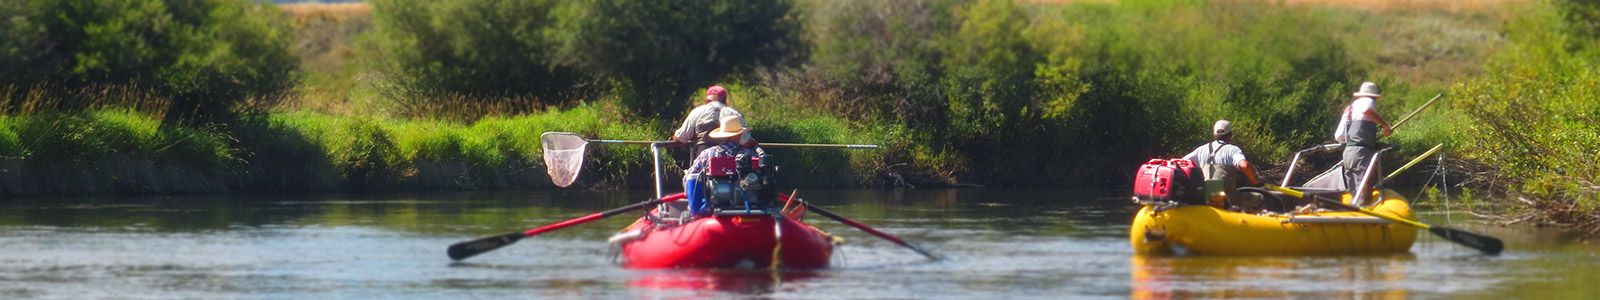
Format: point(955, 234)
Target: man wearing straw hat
point(725, 143)
point(1359, 128)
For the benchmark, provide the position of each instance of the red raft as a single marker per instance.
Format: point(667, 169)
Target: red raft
point(728, 239)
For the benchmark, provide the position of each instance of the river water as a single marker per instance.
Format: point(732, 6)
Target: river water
point(998, 244)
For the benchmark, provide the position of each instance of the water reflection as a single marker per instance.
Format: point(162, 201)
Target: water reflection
point(1183, 277)
point(999, 244)
point(737, 281)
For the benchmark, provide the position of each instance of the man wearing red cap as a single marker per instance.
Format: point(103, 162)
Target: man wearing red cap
point(704, 118)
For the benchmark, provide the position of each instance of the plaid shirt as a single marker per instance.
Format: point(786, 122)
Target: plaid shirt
point(723, 150)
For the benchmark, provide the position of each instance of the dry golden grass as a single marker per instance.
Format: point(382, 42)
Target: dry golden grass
point(44, 98)
point(1374, 5)
point(1390, 5)
point(326, 45)
point(304, 11)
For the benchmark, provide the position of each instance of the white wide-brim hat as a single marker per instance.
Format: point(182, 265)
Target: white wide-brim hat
point(1368, 89)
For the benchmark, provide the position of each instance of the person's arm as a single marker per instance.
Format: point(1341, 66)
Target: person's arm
point(1369, 111)
point(685, 132)
point(1344, 122)
point(699, 164)
point(1193, 156)
point(1248, 171)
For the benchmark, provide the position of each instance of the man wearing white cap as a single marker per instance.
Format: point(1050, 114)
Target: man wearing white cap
point(1221, 160)
point(1358, 129)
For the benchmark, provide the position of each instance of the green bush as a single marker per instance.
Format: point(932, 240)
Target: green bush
point(1534, 117)
point(875, 59)
point(471, 51)
point(658, 53)
point(1027, 92)
point(207, 55)
point(651, 55)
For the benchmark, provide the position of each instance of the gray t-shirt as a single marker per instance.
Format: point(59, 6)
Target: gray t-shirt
point(1227, 155)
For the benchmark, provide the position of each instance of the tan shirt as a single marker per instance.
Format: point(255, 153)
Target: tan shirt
point(704, 118)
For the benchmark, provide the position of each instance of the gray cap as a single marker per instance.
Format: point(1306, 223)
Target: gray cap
point(1223, 127)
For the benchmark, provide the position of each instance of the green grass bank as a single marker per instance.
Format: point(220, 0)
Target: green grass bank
point(122, 151)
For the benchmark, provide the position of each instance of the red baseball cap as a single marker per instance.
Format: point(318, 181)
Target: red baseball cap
point(717, 90)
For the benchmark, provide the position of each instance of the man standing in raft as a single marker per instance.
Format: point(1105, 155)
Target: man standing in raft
point(704, 118)
point(1358, 131)
point(1224, 165)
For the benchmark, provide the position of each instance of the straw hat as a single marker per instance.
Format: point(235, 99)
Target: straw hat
point(1368, 89)
point(732, 126)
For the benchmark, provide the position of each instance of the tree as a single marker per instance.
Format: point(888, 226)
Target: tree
point(656, 53)
point(206, 55)
point(484, 50)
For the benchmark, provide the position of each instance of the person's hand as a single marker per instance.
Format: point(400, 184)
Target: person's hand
point(1388, 131)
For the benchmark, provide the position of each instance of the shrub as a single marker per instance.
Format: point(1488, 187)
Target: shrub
point(659, 52)
point(1533, 116)
point(207, 55)
point(440, 54)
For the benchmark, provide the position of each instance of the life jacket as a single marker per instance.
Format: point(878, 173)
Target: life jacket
point(704, 127)
point(1363, 133)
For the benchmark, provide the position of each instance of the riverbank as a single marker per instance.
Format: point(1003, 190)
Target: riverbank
point(405, 95)
point(127, 152)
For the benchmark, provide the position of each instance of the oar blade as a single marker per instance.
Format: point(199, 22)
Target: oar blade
point(467, 249)
point(1489, 245)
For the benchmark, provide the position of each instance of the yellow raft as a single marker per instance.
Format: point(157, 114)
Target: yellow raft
point(1202, 229)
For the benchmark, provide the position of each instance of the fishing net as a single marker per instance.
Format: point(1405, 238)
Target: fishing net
point(563, 156)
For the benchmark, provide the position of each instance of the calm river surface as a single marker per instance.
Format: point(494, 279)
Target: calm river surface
point(1000, 244)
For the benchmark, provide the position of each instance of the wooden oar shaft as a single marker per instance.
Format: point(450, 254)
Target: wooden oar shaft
point(1414, 161)
point(1414, 112)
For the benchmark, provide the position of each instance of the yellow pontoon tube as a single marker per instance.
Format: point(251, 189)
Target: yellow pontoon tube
point(1207, 230)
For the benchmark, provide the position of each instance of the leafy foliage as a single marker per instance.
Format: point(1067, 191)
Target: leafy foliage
point(1533, 117)
point(207, 55)
point(472, 51)
point(659, 52)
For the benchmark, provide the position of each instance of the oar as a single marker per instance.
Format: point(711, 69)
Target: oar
point(467, 249)
point(1487, 244)
point(1414, 112)
point(1414, 162)
point(868, 229)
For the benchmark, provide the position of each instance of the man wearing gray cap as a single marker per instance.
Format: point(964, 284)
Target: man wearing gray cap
point(1358, 129)
point(1224, 165)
